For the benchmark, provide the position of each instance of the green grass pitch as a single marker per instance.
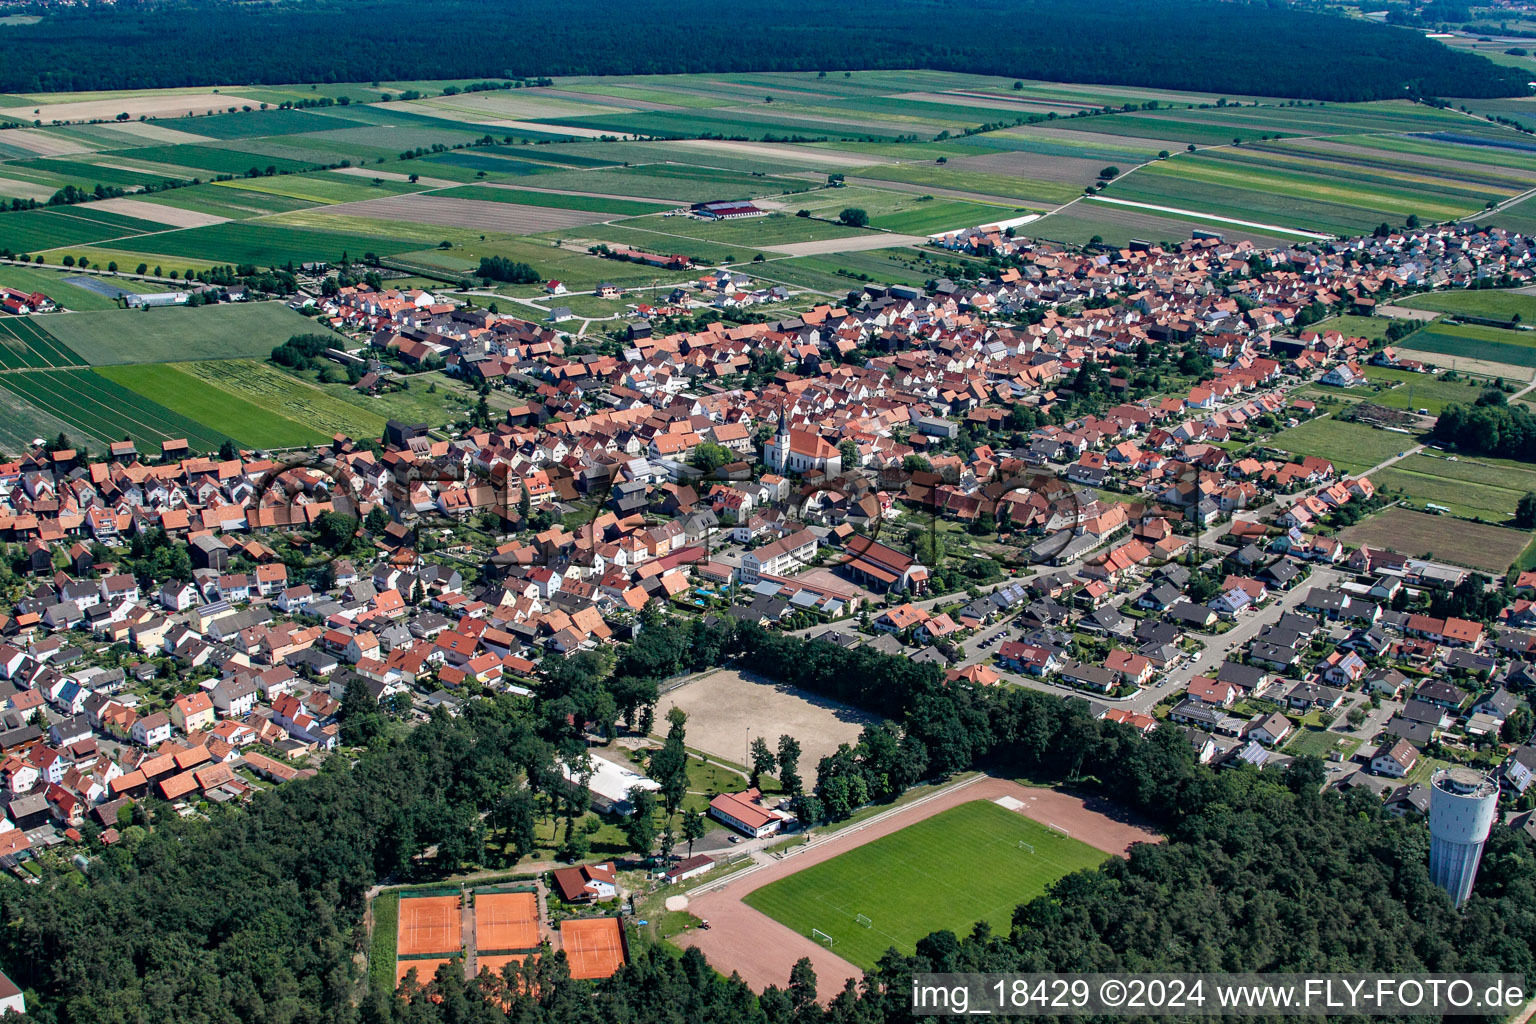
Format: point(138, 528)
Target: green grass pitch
point(958, 867)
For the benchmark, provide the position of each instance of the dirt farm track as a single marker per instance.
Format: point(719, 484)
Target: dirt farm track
point(762, 950)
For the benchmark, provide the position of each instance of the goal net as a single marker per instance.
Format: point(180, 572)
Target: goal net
point(1026, 846)
point(822, 937)
point(866, 922)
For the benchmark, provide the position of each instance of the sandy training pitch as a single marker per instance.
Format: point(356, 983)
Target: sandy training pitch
point(429, 924)
point(763, 950)
point(467, 213)
point(723, 705)
point(506, 920)
point(594, 946)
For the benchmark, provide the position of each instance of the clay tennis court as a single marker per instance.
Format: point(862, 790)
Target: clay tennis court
point(506, 920)
point(429, 924)
point(763, 950)
point(495, 963)
point(425, 969)
point(594, 946)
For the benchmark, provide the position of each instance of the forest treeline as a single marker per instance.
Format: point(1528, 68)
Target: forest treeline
point(1490, 426)
point(1172, 44)
point(254, 915)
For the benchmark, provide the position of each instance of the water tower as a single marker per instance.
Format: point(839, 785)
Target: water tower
point(1462, 806)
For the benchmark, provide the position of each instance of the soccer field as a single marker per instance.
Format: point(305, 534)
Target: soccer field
point(958, 867)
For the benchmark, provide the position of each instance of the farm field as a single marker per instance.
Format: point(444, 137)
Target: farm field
point(279, 394)
point(837, 273)
point(179, 387)
point(1035, 192)
point(99, 411)
point(30, 231)
point(578, 270)
point(1484, 303)
point(1351, 447)
point(25, 421)
point(552, 200)
point(1302, 167)
point(179, 333)
point(398, 213)
point(25, 345)
point(1452, 342)
point(1490, 549)
point(1471, 487)
point(1412, 391)
point(418, 403)
point(774, 229)
point(907, 884)
point(265, 244)
point(1081, 223)
point(1373, 327)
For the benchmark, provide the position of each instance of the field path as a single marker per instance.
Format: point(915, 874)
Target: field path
point(762, 950)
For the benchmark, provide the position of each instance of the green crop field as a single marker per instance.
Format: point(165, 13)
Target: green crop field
point(935, 215)
point(254, 424)
point(31, 230)
point(1007, 186)
point(267, 245)
point(550, 200)
point(1473, 488)
point(217, 159)
point(280, 395)
point(578, 270)
point(1351, 447)
point(179, 333)
point(1404, 389)
point(774, 229)
point(1467, 341)
point(25, 345)
point(839, 272)
point(1373, 327)
point(99, 411)
point(1489, 303)
point(923, 879)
